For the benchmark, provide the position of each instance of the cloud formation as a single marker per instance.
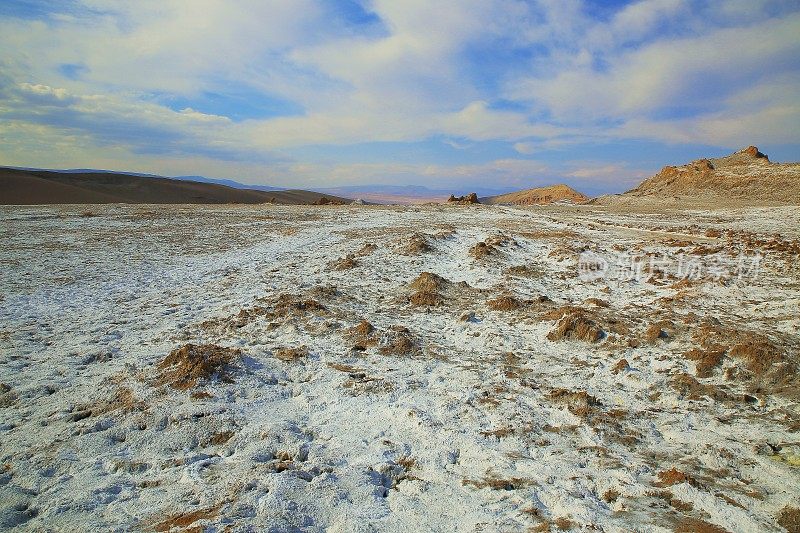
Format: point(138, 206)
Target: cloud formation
point(521, 91)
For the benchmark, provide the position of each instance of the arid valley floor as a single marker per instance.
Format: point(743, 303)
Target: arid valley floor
point(428, 368)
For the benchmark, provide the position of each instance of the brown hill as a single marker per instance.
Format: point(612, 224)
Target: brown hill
point(746, 177)
point(30, 187)
point(538, 196)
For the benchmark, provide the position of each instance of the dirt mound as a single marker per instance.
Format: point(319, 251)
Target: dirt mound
point(398, 340)
point(579, 403)
point(689, 388)
point(363, 329)
point(655, 333)
point(505, 303)
point(424, 299)
point(184, 367)
point(7, 396)
point(588, 324)
point(539, 196)
point(597, 302)
point(416, 244)
point(757, 359)
point(291, 355)
point(284, 307)
point(757, 353)
point(705, 360)
point(575, 325)
point(123, 400)
point(288, 305)
point(789, 518)
point(427, 287)
point(429, 282)
point(367, 249)
point(673, 476)
point(696, 525)
point(430, 289)
point(362, 335)
point(490, 246)
point(345, 263)
point(481, 250)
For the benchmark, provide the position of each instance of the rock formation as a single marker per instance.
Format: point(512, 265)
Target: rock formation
point(471, 198)
point(746, 175)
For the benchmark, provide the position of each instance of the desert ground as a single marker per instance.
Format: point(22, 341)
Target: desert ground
point(372, 368)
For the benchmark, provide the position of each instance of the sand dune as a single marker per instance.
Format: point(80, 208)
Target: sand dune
point(30, 187)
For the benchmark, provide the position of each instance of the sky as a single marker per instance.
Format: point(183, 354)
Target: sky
point(449, 94)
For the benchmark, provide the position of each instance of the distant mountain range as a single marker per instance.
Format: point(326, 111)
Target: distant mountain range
point(746, 177)
point(366, 191)
point(229, 183)
point(375, 193)
point(24, 185)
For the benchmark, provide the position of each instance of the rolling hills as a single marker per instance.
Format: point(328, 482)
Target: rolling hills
point(32, 187)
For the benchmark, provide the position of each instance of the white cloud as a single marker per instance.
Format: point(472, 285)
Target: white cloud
point(599, 173)
point(692, 72)
point(497, 173)
point(526, 148)
point(677, 71)
point(641, 19)
point(603, 171)
point(477, 121)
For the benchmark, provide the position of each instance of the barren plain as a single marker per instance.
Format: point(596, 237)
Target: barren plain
point(368, 368)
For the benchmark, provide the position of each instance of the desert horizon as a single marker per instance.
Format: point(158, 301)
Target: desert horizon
point(390, 265)
point(746, 177)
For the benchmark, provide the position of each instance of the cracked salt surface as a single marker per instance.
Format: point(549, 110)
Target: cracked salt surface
point(452, 425)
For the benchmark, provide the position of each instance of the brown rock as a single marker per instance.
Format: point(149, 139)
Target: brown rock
point(754, 152)
point(621, 365)
point(471, 198)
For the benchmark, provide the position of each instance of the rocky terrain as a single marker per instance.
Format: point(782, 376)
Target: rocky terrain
point(744, 178)
point(367, 368)
point(538, 196)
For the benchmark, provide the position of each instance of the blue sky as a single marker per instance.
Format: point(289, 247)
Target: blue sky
point(451, 94)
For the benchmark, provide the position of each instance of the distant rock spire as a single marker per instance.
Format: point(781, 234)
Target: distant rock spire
point(754, 152)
